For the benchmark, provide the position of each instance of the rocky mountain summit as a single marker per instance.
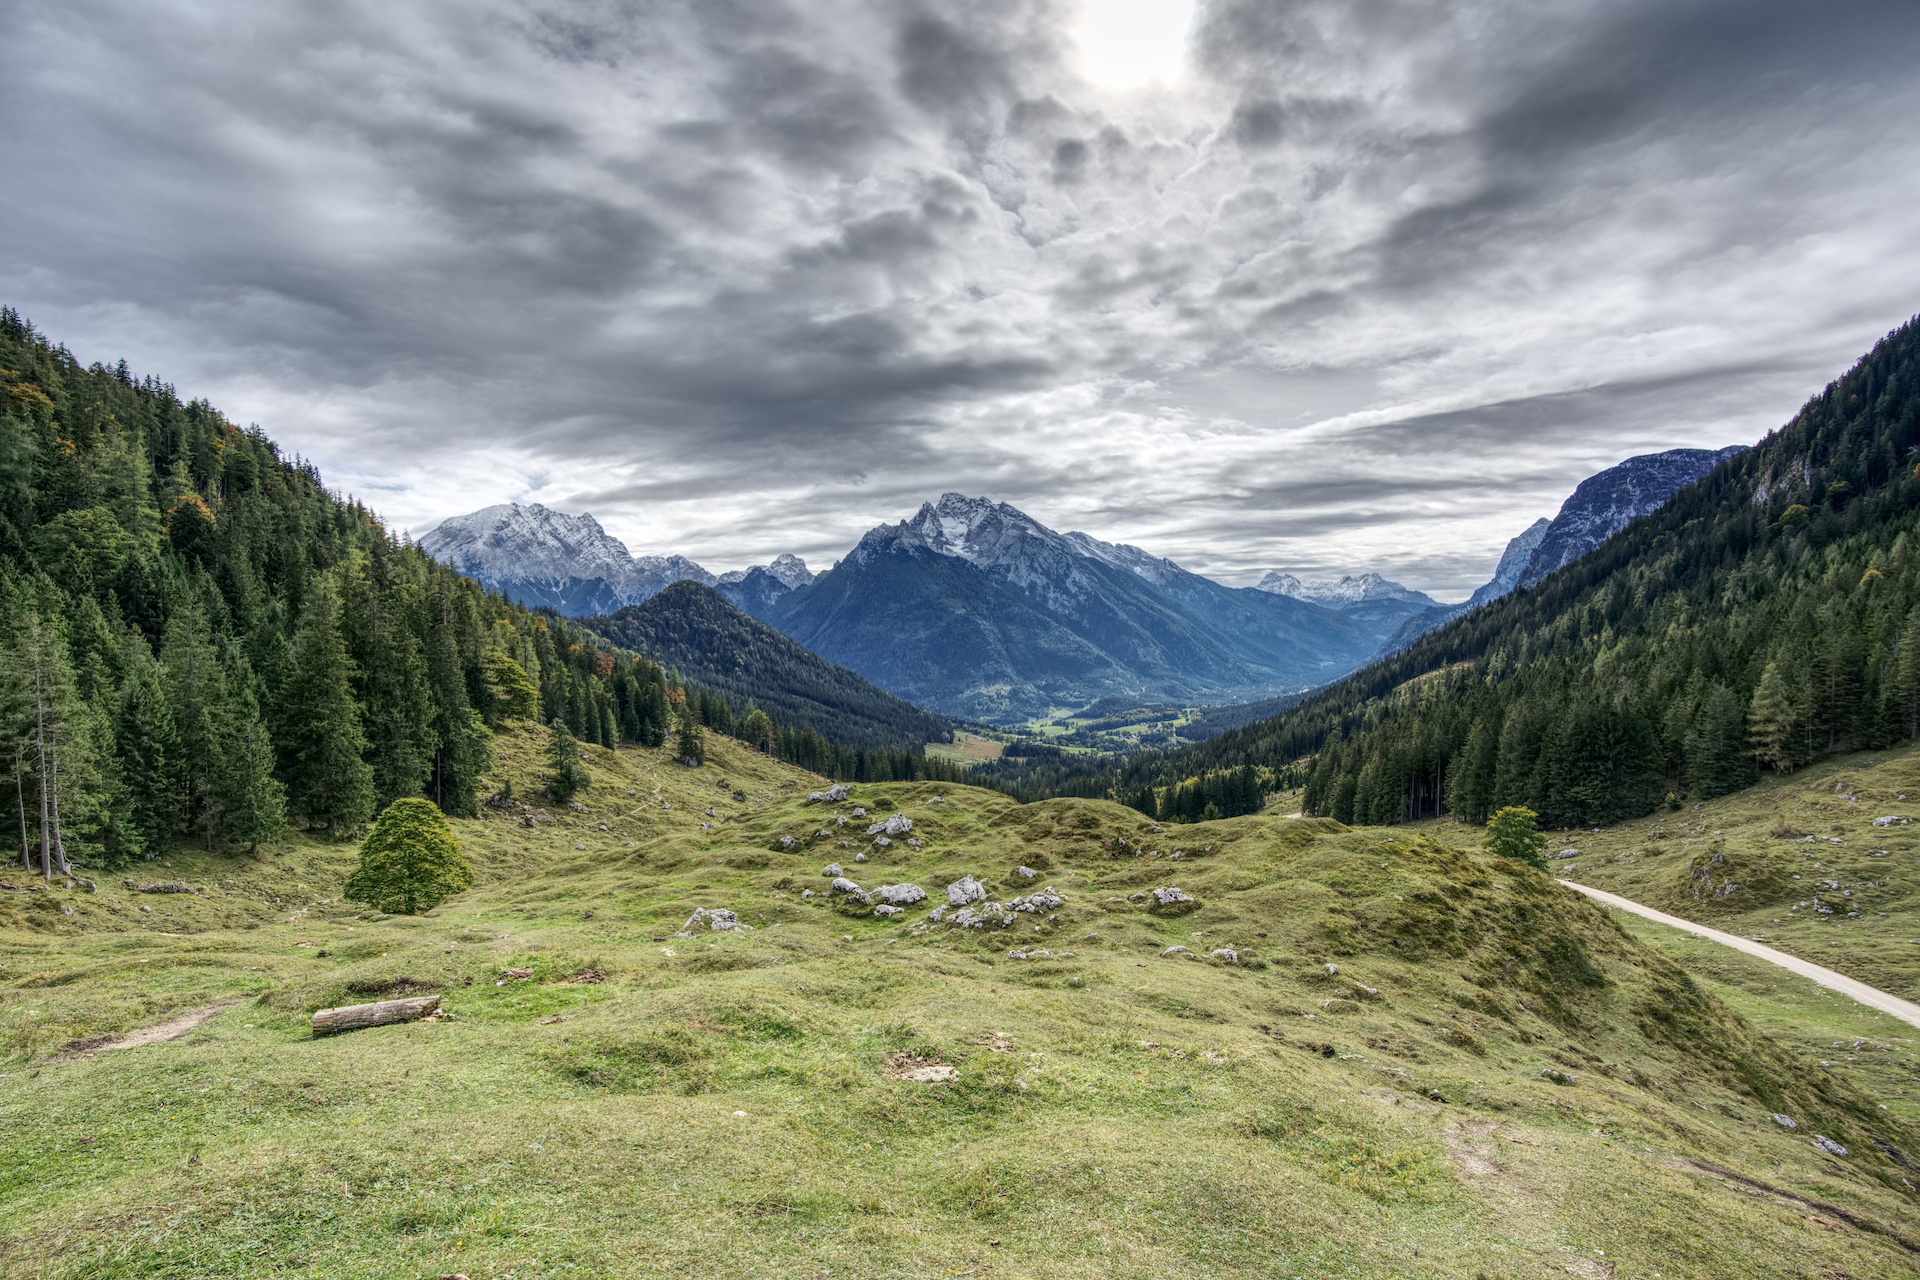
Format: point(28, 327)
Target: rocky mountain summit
point(540, 556)
point(1599, 507)
point(974, 608)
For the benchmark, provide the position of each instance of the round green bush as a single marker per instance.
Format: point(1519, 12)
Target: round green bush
point(410, 862)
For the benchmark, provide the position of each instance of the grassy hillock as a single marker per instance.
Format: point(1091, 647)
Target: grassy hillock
point(1360, 1092)
point(1745, 863)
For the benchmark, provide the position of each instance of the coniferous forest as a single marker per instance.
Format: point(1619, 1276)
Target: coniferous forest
point(198, 641)
point(1766, 617)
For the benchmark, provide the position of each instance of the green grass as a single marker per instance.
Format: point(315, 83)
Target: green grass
point(721, 1104)
point(1742, 863)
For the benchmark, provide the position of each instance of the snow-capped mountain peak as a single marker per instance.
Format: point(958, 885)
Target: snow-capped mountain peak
point(1342, 593)
point(546, 557)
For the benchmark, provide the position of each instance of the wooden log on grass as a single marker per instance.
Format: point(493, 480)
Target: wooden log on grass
point(353, 1017)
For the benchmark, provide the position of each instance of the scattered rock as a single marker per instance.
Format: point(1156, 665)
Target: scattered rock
point(882, 841)
point(898, 825)
point(717, 918)
point(921, 1069)
point(848, 888)
point(1568, 853)
point(1172, 901)
point(860, 857)
point(1045, 900)
point(964, 890)
point(1226, 955)
point(841, 820)
point(1828, 1145)
point(859, 812)
point(1557, 1077)
point(1176, 951)
point(1029, 953)
point(160, 886)
point(1025, 873)
point(787, 842)
point(834, 869)
point(832, 795)
point(886, 909)
point(1332, 969)
point(576, 806)
point(1785, 1122)
point(900, 895)
point(512, 975)
point(806, 893)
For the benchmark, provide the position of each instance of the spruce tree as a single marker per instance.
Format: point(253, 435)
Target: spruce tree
point(396, 702)
point(1770, 722)
point(317, 726)
point(249, 803)
point(688, 748)
point(148, 742)
point(463, 747)
point(196, 696)
point(565, 774)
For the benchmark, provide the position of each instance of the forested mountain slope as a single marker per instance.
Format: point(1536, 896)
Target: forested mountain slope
point(198, 640)
point(1761, 619)
point(691, 629)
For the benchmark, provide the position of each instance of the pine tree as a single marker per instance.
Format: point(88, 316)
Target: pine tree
point(1770, 722)
point(196, 697)
point(317, 726)
point(463, 750)
point(396, 702)
point(148, 741)
point(565, 774)
point(249, 802)
point(688, 748)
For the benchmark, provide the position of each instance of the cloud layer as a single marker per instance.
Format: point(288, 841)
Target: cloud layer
point(1372, 285)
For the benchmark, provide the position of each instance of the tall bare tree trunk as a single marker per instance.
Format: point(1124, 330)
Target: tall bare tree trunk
point(40, 745)
point(20, 797)
point(59, 845)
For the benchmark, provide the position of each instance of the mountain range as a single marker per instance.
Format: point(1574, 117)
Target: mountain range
point(974, 609)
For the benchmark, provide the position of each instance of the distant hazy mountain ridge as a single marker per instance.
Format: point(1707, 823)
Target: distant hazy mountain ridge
point(1345, 593)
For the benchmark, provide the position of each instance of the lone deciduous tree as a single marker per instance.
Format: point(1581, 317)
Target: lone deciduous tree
point(410, 862)
point(1513, 833)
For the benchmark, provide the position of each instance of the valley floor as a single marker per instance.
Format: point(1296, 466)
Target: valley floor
point(1359, 1091)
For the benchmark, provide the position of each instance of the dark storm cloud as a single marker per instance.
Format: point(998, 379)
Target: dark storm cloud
point(1374, 286)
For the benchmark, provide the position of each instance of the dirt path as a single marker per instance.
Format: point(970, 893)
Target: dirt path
point(172, 1029)
point(1872, 997)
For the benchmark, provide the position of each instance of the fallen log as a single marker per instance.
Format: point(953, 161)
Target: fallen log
point(353, 1017)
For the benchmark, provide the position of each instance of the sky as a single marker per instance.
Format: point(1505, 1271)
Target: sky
point(1324, 286)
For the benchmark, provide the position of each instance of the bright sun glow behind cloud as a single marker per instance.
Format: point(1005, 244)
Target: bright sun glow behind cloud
point(1128, 43)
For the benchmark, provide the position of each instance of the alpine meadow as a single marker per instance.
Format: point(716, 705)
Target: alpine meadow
point(1032, 639)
